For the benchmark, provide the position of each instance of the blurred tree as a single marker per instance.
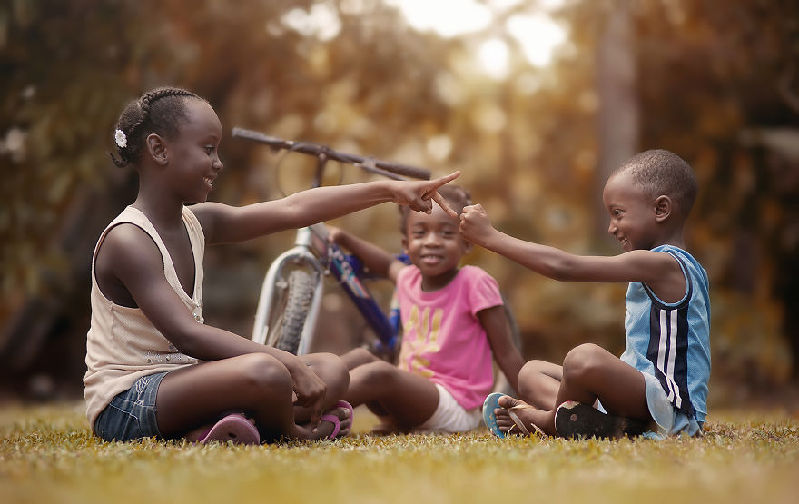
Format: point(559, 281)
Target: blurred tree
point(720, 77)
point(712, 81)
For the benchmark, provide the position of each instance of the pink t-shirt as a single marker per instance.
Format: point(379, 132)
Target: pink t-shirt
point(443, 340)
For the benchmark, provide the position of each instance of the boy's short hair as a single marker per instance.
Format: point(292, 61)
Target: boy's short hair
point(660, 172)
point(456, 197)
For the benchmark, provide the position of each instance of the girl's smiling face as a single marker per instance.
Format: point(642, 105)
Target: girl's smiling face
point(194, 152)
point(435, 246)
point(632, 213)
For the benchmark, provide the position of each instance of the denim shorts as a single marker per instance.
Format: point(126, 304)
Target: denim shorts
point(131, 414)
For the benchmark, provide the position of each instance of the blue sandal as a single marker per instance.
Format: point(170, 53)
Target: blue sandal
point(489, 417)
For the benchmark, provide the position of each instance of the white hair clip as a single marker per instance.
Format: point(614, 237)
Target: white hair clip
point(120, 139)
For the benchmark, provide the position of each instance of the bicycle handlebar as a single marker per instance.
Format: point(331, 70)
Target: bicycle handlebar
point(372, 165)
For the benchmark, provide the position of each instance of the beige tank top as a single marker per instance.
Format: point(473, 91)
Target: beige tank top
point(122, 345)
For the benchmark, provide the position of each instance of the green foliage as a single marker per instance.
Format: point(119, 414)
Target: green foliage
point(49, 455)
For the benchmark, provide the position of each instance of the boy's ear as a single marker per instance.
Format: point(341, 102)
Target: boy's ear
point(405, 243)
point(663, 208)
point(156, 147)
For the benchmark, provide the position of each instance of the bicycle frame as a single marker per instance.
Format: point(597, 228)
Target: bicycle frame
point(346, 269)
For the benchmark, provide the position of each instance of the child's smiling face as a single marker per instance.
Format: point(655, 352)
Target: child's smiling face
point(435, 246)
point(195, 151)
point(632, 213)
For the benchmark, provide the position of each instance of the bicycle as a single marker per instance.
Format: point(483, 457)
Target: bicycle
point(289, 302)
point(293, 284)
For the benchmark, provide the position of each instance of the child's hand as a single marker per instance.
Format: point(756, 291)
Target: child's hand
point(310, 390)
point(334, 234)
point(418, 195)
point(475, 225)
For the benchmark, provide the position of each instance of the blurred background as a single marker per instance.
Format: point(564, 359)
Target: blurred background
point(534, 101)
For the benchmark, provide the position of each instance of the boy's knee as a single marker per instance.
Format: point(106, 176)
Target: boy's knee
point(581, 362)
point(263, 372)
point(529, 376)
point(530, 369)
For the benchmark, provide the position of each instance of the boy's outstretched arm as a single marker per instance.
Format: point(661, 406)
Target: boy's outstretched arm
point(654, 268)
point(377, 260)
point(224, 223)
point(495, 322)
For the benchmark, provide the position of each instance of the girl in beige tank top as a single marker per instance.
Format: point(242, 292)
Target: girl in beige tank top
point(152, 364)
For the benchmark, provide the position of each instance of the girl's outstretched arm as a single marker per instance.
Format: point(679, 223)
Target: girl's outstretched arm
point(223, 223)
point(657, 269)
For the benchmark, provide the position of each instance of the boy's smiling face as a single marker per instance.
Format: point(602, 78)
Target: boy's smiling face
point(632, 213)
point(435, 246)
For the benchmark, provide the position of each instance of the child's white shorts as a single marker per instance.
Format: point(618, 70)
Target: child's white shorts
point(450, 416)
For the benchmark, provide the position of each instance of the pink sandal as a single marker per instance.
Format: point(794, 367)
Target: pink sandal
point(234, 428)
point(335, 420)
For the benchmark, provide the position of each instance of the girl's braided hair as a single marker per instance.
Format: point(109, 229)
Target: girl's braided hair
point(158, 111)
point(456, 197)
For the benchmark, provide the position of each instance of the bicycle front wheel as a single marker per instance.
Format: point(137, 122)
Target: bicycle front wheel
point(291, 311)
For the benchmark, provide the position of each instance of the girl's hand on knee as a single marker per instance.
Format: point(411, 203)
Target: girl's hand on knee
point(419, 196)
point(310, 390)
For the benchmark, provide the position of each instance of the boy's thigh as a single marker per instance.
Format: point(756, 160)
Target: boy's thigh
point(620, 387)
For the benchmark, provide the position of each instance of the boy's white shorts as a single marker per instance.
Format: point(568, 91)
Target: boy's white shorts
point(450, 416)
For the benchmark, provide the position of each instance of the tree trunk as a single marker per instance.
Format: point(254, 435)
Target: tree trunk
point(618, 103)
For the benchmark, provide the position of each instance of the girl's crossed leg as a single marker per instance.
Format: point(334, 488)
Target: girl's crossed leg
point(407, 399)
point(589, 373)
point(256, 384)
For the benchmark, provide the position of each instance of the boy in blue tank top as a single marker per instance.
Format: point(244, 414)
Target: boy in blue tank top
point(659, 385)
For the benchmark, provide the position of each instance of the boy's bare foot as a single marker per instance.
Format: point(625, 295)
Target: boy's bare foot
point(516, 416)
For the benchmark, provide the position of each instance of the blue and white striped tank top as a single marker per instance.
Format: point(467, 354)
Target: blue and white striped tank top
point(671, 341)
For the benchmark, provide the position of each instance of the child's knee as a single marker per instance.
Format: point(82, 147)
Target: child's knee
point(262, 372)
point(582, 362)
point(332, 370)
point(364, 355)
point(358, 357)
point(378, 372)
point(530, 370)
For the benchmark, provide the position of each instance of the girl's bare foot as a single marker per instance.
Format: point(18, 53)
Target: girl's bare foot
point(327, 426)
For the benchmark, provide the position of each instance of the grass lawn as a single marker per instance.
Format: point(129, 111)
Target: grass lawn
point(47, 454)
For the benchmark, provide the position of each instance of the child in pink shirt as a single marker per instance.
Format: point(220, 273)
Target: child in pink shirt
point(453, 322)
